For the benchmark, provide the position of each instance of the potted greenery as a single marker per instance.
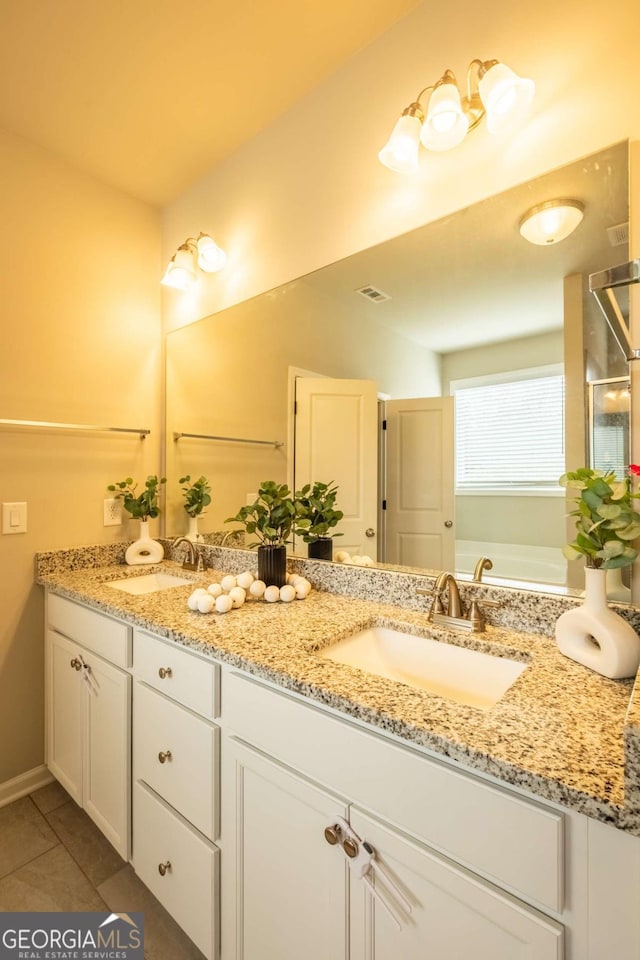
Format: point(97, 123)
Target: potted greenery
point(141, 506)
point(269, 518)
point(315, 516)
point(197, 496)
point(606, 525)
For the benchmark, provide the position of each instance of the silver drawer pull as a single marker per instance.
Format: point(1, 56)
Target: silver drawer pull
point(164, 867)
point(165, 672)
point(165, 755)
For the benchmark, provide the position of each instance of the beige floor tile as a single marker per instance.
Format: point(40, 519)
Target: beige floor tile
point(87, 845)
point(24, 835)
point(50, 797)
point(163, 938)
point(52, 882)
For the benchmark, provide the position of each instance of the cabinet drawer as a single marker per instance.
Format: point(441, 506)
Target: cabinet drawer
point(177, 673)
point(188, 778)
point(108, 638)
point(189, 888)
point(515, 842)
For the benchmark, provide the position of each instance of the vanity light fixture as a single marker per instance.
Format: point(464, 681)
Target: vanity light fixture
point(203, 252)
point(552, 221)
point(493, 90)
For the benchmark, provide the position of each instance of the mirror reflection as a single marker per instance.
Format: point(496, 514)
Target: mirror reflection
point(461, 329)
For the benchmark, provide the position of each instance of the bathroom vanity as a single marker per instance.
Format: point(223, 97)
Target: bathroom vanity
point(262, 779)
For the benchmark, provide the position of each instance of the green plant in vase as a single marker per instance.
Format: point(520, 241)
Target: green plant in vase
point(316, 515)
point(270, 519)
point(606, 522)
point(142, 506)
point(197, 496)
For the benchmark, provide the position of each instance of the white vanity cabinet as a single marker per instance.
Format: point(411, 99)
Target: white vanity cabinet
point(176, 761)
point(88, 713)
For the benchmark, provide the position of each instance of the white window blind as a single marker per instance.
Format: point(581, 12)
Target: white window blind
point(510, 434)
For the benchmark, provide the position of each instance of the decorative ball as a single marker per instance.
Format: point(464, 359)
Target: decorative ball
point(287, 593)
point(224, 603)
point(257, 589)
point(272, 594)
point(303, 589)
point(215, 590)
point(192, 602)
point(245, 579)
point(228, 583)
point(205, 603)
point(342, 556)
point(238, 596)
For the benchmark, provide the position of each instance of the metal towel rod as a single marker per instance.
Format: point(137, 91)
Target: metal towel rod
point(208, 436)
point(53, 425)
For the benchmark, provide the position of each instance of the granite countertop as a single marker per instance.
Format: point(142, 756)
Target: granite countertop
point(561, 731)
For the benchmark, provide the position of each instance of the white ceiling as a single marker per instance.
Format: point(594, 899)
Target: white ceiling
point(148, 95)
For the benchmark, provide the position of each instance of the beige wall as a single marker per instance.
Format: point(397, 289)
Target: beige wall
point(228, 376)
point(309, 190)
point(80, 343)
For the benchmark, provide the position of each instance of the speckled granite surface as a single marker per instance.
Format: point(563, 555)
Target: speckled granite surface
point(560, 731)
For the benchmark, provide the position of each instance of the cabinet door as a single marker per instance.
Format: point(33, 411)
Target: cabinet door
point(107, 749)
point(290, 885)
point(64, 713)
point(455, 915)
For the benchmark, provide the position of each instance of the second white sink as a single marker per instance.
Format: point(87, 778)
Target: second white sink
point(148, 583)
point(457, 673)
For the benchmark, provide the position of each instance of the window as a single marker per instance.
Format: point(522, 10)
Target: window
point(510, 432)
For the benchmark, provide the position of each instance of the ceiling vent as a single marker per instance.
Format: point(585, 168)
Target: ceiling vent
point(372, 293)
point(618, 234)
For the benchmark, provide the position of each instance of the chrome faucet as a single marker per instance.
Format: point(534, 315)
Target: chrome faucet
point(193, 559)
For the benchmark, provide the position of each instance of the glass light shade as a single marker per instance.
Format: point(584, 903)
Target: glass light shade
point(181, 272)
point(551, 222)
point(400, 153)
point(505, 95)
point(211, 257)
point(446, 125)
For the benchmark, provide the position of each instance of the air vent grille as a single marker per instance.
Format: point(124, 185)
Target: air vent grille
point(374, 294)
point(618, 234)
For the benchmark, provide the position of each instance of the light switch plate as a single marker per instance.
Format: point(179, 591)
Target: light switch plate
point(14, 518)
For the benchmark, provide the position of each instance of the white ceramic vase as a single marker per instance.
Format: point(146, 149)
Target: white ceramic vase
point(193, 533)
point(144, 549)
point(595, 635)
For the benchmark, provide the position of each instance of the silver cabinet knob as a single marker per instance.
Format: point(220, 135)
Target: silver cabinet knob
point(448, 524)
point(164, 672)
point(164, 867)
point(165, 755)
point(369, 532)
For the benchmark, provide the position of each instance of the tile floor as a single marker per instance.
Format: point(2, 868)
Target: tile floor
point(53, 857)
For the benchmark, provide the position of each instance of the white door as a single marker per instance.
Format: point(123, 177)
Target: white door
point(107, 749)
point(420, 522)
point(64, 708)
point(336, 440)
point(454, 914)
point(290, 888)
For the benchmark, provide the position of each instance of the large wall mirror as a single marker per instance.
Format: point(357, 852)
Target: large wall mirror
point(462, 304)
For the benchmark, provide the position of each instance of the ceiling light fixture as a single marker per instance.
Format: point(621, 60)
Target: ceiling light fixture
point(203, 252)
point(492, 90)
point(552, 221)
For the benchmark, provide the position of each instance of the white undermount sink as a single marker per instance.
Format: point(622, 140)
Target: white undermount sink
point(148, 583)
point(457, 673)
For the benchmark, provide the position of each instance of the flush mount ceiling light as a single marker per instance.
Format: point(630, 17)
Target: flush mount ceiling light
point(551, 222)
point(203, 253)
point(493, 90)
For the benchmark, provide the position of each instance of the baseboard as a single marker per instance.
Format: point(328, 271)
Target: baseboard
point(26, 783)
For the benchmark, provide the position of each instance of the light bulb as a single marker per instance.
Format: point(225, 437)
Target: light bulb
point(211, 257)
point(400, 153)
point(551, 222)
point(446, 125)
point(180, 273)
point(504, 94)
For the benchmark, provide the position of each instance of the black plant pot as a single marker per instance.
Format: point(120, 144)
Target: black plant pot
point(321, 549)
point(272, 565)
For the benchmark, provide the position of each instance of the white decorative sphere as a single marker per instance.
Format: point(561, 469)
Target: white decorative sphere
point(192, 602)
point(303, 589)
point(245, 579)
point(257, 589)
point(238, 596)
point(272, 594)
point(215, 590)
point(228, 583)
point(287, 593)
point(224, 603)
point(205, 603)
point(342, 556)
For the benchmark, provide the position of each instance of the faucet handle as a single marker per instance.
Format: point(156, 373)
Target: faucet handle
point(476, 616)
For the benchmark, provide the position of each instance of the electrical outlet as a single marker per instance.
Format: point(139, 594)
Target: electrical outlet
point(112, 512)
